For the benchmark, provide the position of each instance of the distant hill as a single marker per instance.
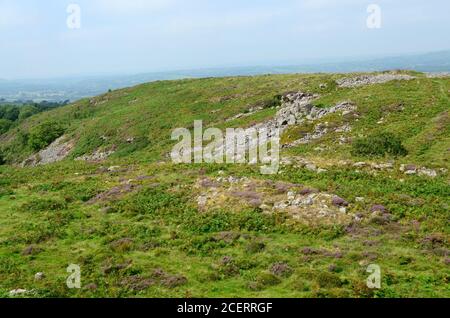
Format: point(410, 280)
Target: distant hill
point(79, 87)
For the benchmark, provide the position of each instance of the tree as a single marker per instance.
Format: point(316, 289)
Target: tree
point(10, 112)
point(44, 134)
point(27, 111)
point(5, 124)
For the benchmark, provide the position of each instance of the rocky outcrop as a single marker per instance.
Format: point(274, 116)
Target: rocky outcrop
point(294, 109)
point(363, 80)
point(55, 152)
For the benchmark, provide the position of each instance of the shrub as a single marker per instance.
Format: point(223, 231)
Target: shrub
point(379, 145)
point(27, 111)
point(43, 135)
point(273, 102)
point(45, 204)
point(264, 280)
point(5, 124)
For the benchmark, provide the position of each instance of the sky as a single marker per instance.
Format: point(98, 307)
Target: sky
point(138, 36)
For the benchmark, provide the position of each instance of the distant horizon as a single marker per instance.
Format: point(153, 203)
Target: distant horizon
point(306, 62)
point(59, 39)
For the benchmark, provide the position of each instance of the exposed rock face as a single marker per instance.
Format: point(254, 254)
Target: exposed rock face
point(297, 108)
point(55, 152)
point(294, 108)
point(372, 79)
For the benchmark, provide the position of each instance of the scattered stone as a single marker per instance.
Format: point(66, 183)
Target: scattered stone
point(202, 201)
point(97, 156)
point(17, 292)
point(208, 183)
point(39, 276)
point(363, 80)
point(428, 172)
point(383, 166)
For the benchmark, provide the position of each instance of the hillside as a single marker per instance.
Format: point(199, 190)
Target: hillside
point(363, 180)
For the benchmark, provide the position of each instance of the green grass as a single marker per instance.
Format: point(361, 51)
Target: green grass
point(153, 241)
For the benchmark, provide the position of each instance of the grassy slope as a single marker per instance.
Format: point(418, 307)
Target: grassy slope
point(46, 207)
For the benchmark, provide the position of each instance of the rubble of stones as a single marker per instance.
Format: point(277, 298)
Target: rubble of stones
point(296, 109)
point(407, 169)
point(363, 80)
point(301, 204)
point(97, 155)
point(320, 131)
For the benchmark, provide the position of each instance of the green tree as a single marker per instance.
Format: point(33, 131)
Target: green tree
point(44, 134)
point(9, 112)
point(27, 111)
point(5, 125)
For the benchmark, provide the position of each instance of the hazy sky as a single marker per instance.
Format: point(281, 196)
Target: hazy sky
point(132, 36)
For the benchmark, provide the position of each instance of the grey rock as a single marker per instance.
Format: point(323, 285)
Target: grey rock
point(363, 80)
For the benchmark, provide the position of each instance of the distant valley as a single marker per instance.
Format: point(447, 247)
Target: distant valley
point(75, 88)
